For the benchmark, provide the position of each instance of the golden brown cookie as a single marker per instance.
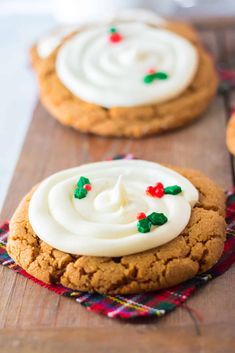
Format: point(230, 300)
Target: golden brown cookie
point(128, 121)
point(195, 250)
point(230, 134)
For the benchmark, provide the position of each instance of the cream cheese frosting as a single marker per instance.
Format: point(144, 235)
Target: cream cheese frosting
point(104, 222)
point(111, 74)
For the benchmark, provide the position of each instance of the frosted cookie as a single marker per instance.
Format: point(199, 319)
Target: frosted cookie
point(128, 78)
point(126, 226)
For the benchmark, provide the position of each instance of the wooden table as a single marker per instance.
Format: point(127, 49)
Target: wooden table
point(33, 319)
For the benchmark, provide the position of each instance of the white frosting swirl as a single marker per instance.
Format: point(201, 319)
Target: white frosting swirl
point(111, 74)
point(104, 222)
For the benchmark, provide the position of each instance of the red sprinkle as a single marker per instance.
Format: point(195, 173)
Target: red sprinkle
point(151, 71)
point(150, 190)
point(115, 38)
point(160, 185)
point(141, 215)
point(87, 187)
point(156, 191)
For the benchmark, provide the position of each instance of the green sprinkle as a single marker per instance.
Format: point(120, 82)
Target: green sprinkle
point(80, 193)
point(155, 76)
point(83, 181)
point(157, 219)
point(160, 75)
point(113, 30)
point(144, 225)
point(173, 190)
point(149, 78)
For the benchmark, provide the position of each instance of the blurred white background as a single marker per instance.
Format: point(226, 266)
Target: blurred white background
point(23, 21)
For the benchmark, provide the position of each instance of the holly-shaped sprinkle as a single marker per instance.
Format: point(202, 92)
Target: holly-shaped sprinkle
point(160, 75)
point(157, 219)
point(144, 225)
point(145, 222)
point(149, 79)
point(159, 191)
point(82, 188)
point(83, 181)
point(114, 35)
point(173, 190)
point(153, 75)
point(80, 193)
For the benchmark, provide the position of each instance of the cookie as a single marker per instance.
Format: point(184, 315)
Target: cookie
point(230, 134)
point(123, 89)
point(196, 249)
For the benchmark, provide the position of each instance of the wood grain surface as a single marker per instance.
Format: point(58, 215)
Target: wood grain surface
point(32, 318)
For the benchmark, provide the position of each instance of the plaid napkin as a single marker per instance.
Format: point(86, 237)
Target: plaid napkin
point(141, 305)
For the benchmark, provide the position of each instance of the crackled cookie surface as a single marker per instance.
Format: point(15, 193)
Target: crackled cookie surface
point(128, 78)
point(58, 232)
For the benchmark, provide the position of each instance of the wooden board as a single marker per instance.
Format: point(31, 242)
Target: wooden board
point(31, 316)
